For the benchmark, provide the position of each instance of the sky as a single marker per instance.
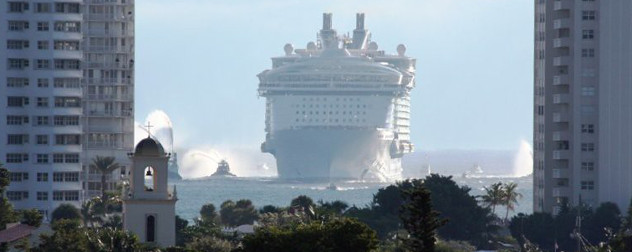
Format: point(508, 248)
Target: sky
point(197, 60)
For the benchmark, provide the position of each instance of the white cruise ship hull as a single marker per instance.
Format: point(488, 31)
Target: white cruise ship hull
point(333, 153)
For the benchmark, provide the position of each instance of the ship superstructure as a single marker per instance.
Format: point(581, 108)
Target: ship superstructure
point(340, 108)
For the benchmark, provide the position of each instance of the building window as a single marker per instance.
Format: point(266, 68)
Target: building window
point(58, 196)
point(42, 176)
point(67, 102)
point(588, 166)
point(42, 7)
point(42, 45)
point(17, 101)
point(18, 25)
point(151, 228)
point(67, 45)
point(72, 158)
point(588, 128)
point(41, 120)
point(588, 185)
point(17, 82)
point(588, 53)
point(42, 26)
point(588, 34)
point(67, 7)
point(17, 64)
point(66, 83)
point(42, 82)
point(18, 176)
point(67, 26)
point(150, 178)
point(67, 64)
point(42, 63)
point(588, 15)
point(16, 6)
point(66, 120)
point(588, 147)
point(17, 195)
point(17, 44)
point(42, 158)
point(71, 195)
point(42, 102)
point(17, 157)
point(540, 110)
point(588, 91)
point(67, 139)
point(42, 139)
point(17, 139)
point(42, 196)
point(58, 158)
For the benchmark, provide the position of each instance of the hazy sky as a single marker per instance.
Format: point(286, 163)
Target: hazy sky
point(198, 59)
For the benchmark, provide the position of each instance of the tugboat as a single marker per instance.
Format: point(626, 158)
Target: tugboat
point(223, 170)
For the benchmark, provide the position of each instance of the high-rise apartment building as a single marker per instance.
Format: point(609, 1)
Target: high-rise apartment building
point(583, 103)
point(108, 90)
point(66, 81)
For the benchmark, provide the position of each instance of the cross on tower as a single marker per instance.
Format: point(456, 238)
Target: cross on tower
point(148, 126)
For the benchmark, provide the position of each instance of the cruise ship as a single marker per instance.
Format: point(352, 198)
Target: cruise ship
point(339, 108)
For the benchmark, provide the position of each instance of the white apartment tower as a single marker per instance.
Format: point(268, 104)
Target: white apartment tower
point(108, 122)
point(64, 100)
point(583, 103)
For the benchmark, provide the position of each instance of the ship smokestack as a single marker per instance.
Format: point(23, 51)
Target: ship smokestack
point(359, 21)
point(360, 35)
point(328, 36)
point(326, 21)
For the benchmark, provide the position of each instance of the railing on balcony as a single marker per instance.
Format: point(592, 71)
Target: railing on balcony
point(107, 81)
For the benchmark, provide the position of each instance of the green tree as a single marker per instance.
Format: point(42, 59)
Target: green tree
point(210, 244)
point(606, 217)
point(105, 165)
point(304, 202)
point(538, 228)
point(269, 209)
point(65, 211)
point(467, 220)
point(67, 236)
point(335, 207)
point(238, 213)
point(336, 235)
point(510, 197)
point(493, 196)
point(7, 215)
point(208, 213)
point(31, 217)
point(108, 239)
point(419, 218)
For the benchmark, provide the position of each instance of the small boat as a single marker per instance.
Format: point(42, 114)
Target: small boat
point(332, 187)
point(223, 170)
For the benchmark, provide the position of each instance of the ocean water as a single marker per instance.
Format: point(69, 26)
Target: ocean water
point(192, 194)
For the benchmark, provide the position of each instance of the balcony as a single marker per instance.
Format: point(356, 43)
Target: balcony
point(561, 154)
point(561, 42)
point(561, 79)
point(560, 173)
point(562, 5)
point(563, 23)
point(561, 61)
point(114, 97)
point(560, 135)
point(561, 192)
point(107, 81)
point(560, 117)
point(561, 99)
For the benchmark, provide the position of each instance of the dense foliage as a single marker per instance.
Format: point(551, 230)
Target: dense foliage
point(336, 235)
point(419, 218)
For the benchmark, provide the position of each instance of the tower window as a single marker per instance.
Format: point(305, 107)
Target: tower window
point(150, 178)
point(151, 228)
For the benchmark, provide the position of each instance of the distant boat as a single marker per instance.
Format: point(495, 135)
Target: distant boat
point(332, 187)
point(476, 170)
point(223, 170)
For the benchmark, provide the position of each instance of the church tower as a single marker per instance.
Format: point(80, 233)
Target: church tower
point(148, 202)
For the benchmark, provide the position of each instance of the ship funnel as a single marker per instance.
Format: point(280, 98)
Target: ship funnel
point(326, 21)
point(359, 21)
point(360, 35)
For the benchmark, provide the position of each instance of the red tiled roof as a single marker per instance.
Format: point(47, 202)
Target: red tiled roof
point(15, 233)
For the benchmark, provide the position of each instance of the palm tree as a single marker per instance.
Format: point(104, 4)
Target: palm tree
point(494, 196)
point(105, 165)
point(510, 197)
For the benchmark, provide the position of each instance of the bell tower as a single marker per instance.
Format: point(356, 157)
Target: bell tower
point(148, 201)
